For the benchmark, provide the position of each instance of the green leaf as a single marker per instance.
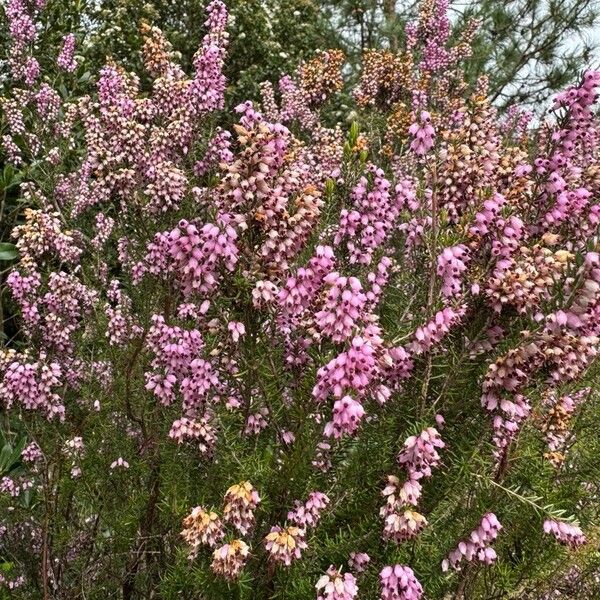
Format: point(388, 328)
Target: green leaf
point(8, 174)
point(5, 455)
point(8, 251)
point(15, 457)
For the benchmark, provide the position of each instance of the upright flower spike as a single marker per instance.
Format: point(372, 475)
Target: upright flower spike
point(207, 88)
point(419, 457)
point(428, 336)
point(66, 58)
point(451, 264)
point(423, 134)
point(343, 309)
point(369, 222)
point(176, 367)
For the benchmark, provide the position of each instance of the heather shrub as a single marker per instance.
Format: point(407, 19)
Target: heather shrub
point(290, 360)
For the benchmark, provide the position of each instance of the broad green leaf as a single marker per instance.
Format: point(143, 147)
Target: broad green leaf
point(8, 251)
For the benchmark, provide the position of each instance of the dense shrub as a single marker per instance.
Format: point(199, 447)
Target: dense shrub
point(294, 361)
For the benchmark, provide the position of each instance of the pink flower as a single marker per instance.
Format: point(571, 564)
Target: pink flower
point(359, 561)
point(236, 329)
point(120, 463)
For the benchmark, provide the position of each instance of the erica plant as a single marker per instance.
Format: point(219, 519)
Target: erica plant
point(289, 358)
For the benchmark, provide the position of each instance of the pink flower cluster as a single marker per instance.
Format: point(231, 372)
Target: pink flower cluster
point(205, 528)
point(566, 533)
point(347, 415)
point(241, 501)
point(351, 371)
point(192, 256)
point(507, 421)
point(431, 334)
point(451, 265)
point(33, 385)
point(477, 545)
point(201, 528)
point(419, 457)
point(20, 15)
point(398, 582)
point(308, 514)
point(285, 545)
point(368, 225)
point(335, 585)
point(175, 362)
point(359, 561)
point(229, 560)
point(208, 86)
point(423, 134)
point(199, 431)
point(66, 58)
point(343, 307)
point(217, 153)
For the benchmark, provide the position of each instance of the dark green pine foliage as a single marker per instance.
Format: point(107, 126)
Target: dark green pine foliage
point(529, 48)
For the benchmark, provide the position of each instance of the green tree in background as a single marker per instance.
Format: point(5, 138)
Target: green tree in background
point(267, 37)
point(530, 48)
